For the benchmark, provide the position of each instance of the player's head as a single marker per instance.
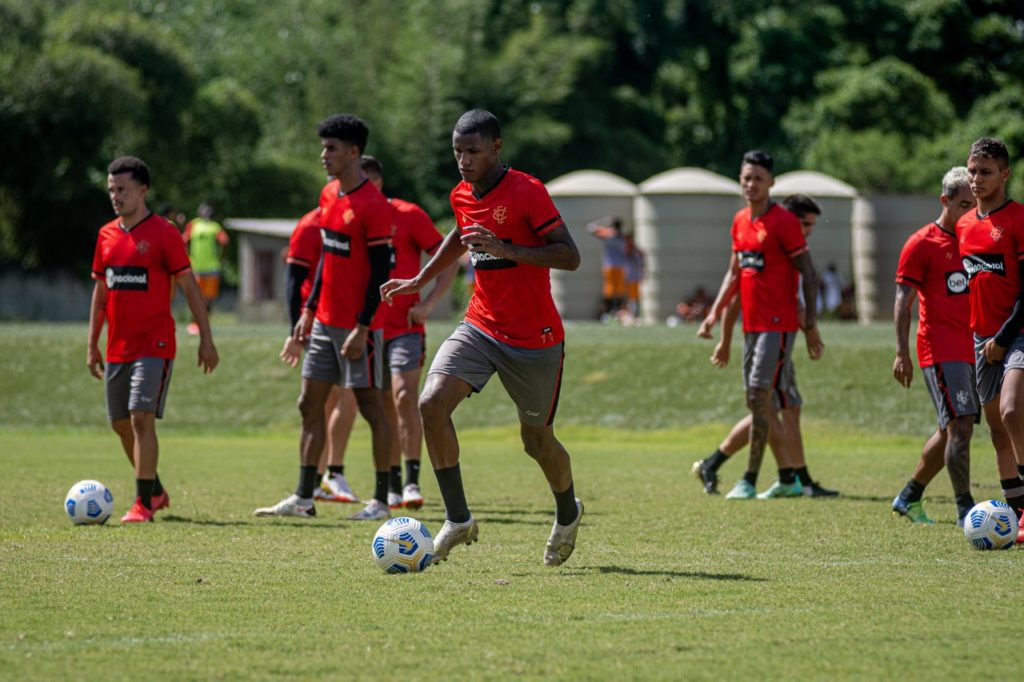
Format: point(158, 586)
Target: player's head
point(476, 142)
point(988, 166)
point(805, 209)
point(127, 184)
point(757, 175)
point(617, 226)
point(205, 211)
point(343, 140)
point(957, 197)
point(373, 169)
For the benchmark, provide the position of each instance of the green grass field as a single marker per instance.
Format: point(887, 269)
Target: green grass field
point(666, 583)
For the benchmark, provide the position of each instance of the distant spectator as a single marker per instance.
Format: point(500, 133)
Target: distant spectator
point(635, 271)
point(695, 307)
point(831, 290)
point(174, 215)
point(206, 241)
point(613, 262)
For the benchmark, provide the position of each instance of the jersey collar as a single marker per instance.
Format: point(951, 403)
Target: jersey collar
point(354, 189)
point(504, 171)
point(120, 223)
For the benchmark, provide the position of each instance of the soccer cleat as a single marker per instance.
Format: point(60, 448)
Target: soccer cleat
point(138, 513)
point(794, 489)
point(394, 500)
point(707, 476)
point(743, 490)
point(161, 501)
point(320, 495)
point(563, 540)
point(335, 488)
point(913, 511)
point(814, 489)
point(293, 505)
point(452, 534)
point(411, 496)
point(374, 510)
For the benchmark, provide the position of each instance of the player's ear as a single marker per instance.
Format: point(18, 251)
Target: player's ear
point(497, 146)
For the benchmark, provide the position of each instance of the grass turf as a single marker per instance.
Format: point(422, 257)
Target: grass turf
point(666, 583)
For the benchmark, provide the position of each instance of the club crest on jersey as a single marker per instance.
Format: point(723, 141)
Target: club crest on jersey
point(996, 233)
point(500, 215)
point(348, 216)
point(127, 278)
point(142, 246)
point(956, 282)
point(762, 234)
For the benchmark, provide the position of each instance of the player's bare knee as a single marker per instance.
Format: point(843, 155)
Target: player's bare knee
point(142, 422)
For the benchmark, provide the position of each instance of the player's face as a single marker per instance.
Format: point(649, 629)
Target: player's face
point(987, 178)
point(755, 181)
point(807, 223)
point(960, 204)
point(337, 155)
point(476, 155)
point(126, 194)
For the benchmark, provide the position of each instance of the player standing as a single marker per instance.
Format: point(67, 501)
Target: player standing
point(992, 245)
point(515, 235)
point(930, 270)
point(138, 258)
point(345, 342)
point(206, 241)
point(769, 250)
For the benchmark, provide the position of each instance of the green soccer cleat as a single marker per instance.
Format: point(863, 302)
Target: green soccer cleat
point(742, 491)
point(794, 489)
point(913, 511)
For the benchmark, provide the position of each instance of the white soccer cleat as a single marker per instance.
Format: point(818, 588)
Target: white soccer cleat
point(375, 510)
point(452, 534)
point(411, 496)
point(293, 505)
point(336, 489)
point(563, 539)
point(394, 500)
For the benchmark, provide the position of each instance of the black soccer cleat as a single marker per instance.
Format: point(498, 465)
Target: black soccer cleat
point(813, 489)
point(707, 476)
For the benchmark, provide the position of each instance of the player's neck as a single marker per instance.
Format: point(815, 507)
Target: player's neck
point(944, 223)
point(352, 179)
point(488, 182)
point(991, 203)
point(136, 217)
point(760, 207)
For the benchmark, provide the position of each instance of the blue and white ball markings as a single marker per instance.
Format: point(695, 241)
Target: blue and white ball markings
point(403, 545)
point(89, 502)
point(991, 525)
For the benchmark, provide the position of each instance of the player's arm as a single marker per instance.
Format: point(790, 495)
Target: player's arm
point(447, 255)
point(995, 348)
point(726, 292)
point(720, 358)
point(97, 314)
point(294, 275)
point(379, 253)
point(559, 251)
point(419, 313)
point(600, 228)
point(902, 366)
point(803, 263)
point(300, 332)
point(208, 358)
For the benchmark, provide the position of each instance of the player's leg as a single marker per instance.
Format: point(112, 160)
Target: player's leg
point(787, 484)
point(149, 382)
point(405, 387)
point(395, 455)
point(707, 469)
point(369, 378)
point(958, 462)
point(783, 386)
point(795, 447)
point(1011, 411)
point(340, 411)
point(908, 502)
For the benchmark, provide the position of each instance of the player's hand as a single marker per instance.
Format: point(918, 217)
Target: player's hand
point(208, 358)
point(720, 358)
point(398, 287)
point(903, 370)
point(993, 352)
point(94, 361)
point(355, 343)
point(478, 239)
point(292, 352)
point(419, 313)
point(815, 346)
point(706, 325)
point(303, 327)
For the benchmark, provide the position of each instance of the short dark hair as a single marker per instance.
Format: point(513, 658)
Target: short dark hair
point(479, 121)
point(372, 165)
point(756, 157)
point(801, 205)
point(990, 148)
point(130, 164)
point(347, 128)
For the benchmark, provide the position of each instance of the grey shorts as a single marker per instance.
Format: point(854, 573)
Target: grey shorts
point(990, 377)
point(768, 363)
point(953, 390)
point(531, 376)
point(406, 353)
point(324, 361)
point(137, 386)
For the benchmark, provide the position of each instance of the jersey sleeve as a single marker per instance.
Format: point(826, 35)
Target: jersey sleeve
point(175, 257)
point(912, 267)
point(379, 222)
point(304, 244)
point(426, 236)
point(541, 214)
point(97, 258)
point(791, 237)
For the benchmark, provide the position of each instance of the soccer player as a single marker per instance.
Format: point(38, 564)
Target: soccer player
point(345, 341)
point(992, 245)
point(613, 263)
point(139, 256)
point(769, 250)
point(930, 271)
point(807, 211)
point(206, 241)
point(304, 248)
point(515, 235)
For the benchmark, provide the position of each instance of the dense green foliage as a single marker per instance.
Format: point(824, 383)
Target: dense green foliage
point(221, 97)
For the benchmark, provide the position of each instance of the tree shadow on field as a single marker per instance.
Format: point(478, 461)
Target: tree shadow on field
point(266, 523)
point(625, 570)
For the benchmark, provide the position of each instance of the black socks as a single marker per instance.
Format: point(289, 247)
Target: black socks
point(144, 491)
point(449, 480)
point(565, 501)
point(308, 479)
point(395, 480)
point(912, 491)
point(380, 489)
point(412, 471)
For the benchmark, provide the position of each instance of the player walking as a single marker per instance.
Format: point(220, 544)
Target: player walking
point(515, 236)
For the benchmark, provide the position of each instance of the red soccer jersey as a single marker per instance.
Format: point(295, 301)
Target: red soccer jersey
point(511, 301)
point(138, 266)
point(930, 262)
point(414, 235)
point(991, 248)
point(349, 225)
point(765, 248)
point(304, 248)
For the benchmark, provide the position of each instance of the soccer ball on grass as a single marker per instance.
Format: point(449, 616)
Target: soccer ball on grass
point(88, 502)
point(991, 525)
point(403, 545)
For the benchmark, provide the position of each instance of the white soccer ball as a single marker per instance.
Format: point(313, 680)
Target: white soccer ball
point(403, 545)
point(89, 502)
point(991, 525)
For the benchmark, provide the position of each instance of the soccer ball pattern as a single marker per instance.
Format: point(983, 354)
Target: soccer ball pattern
point(89, 502)
point(991, 525)
point(403, 545)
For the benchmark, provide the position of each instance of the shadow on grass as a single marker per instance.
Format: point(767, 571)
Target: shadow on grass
point(625, 570)
point(267, 523)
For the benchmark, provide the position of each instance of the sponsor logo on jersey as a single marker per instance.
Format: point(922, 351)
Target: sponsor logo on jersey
point(127, 278)
point(752, 259)
point(337, 243)
point(984, 262)
point(487, 261)
point(956, 282)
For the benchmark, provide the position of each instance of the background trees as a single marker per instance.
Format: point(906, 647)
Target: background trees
point(221, 97)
